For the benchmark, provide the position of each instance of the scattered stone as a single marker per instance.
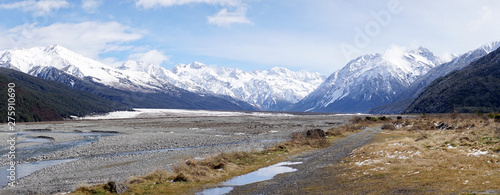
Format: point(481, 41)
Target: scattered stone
point(315, 133)
point(115, 187)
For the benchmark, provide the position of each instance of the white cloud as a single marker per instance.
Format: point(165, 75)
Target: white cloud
point(154, 57)
point(395, 55)
point(91, 5)
point(168, 3)
point(225, 18)
point(87, 38)
point(42, 7)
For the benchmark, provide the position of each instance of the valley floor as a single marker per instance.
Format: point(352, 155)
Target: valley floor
point(119, 148)
point(437, 154)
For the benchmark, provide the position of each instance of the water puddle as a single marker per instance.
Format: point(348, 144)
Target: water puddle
point(262, 174)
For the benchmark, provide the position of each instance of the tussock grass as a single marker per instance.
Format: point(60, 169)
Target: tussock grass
point(436, 154)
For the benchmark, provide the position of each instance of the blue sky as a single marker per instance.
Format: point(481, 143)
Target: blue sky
point(315, 35)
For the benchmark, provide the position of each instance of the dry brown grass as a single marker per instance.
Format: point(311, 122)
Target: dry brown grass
point(438, 154)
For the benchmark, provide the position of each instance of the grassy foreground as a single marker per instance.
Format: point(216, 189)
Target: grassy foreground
point(433, 154)
point(194, 175)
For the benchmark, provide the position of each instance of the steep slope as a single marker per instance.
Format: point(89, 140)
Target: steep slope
point(269, 90)
point(42, 100)
point(475, 87)
point(409, 95)
point(133, 88)
point(369, 81)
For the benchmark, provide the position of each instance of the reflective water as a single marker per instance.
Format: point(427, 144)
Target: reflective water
point(262, 174)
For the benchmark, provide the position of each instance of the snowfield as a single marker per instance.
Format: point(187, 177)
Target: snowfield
point(160, 113)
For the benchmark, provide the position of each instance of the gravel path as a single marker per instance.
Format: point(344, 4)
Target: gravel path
point(103, 160)
point(310, 172)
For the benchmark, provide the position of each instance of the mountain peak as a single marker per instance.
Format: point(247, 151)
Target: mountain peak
point(56, 49)
point(279, 70)
point(421, 50)
point(489, 47)
point(197, 65)
point(134, 65)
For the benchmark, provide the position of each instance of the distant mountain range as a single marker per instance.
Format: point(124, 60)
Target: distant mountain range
point(192, 86)
point(134, 89)
point(273, 90)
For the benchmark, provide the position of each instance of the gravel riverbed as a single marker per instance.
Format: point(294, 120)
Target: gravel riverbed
point(169, 140)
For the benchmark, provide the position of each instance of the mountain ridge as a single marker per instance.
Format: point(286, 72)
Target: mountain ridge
point(473, 88)
point(408, 95)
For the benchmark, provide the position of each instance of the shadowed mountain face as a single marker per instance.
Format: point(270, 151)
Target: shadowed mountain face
point(41, 100)
point(475, 87)
point(409, 94)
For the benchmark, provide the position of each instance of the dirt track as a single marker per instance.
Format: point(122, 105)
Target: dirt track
point(310, 175)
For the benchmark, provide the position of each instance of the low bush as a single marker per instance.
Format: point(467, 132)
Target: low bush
point(334, 132)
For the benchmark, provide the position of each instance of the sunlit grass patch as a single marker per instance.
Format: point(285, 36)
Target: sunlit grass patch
point(432, 155)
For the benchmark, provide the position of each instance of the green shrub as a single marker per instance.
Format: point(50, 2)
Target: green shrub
point(384, 118)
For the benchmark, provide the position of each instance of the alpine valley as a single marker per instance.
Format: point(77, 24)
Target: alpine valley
point(387, 82)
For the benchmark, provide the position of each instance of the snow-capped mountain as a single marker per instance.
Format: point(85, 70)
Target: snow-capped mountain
point(129, 87)
point(36, 60)
point(407, 96)
point(455, 64)
point(369, 81)
point(267, 90)
point(270, 90)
